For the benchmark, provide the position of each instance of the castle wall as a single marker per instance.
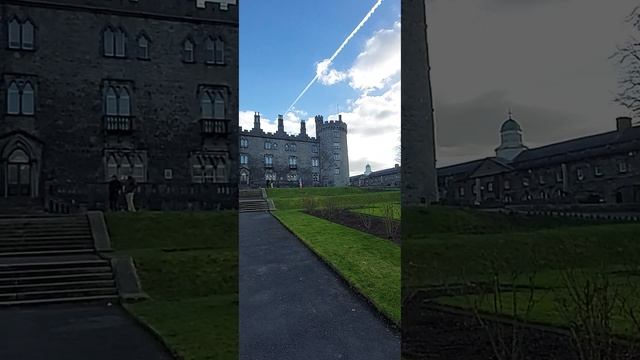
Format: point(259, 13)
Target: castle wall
point(70, 74)
point(306, 149)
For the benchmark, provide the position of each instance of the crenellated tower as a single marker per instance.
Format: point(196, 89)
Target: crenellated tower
point(334, 153)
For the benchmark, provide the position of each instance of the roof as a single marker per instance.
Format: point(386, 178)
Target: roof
point(510, 125)
point(579, 144)
point(384, 172)
point(462, 168)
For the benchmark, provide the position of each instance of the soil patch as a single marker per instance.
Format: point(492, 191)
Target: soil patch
point(369, 224)
point(432, 333)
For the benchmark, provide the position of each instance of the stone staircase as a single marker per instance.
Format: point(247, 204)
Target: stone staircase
point(45, 235)
point(252, 200)
point(51, 258)
point(47, 280)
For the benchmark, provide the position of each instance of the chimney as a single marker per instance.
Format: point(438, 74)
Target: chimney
point(256, 121)
point(280, 124)
point(303, 128)
point(339, 117)
point(623, 122)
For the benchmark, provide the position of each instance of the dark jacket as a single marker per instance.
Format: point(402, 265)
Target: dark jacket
point(130, 185)
point(115, 186)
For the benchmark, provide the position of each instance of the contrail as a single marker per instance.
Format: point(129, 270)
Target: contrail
point(344, 43)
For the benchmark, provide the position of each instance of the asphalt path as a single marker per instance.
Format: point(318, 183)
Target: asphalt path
point(292, 306)
point(75, 331)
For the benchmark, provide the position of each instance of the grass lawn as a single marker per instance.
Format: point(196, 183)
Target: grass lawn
point(369, 263)
point(380, 210)
point(291, 199)
point(188, 264)
point(447, 245)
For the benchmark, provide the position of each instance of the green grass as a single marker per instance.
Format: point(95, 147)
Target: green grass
point(188, 264)
point(369, 263)
point(291, 199)
point(447, 245)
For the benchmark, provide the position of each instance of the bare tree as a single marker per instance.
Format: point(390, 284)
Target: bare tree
point(627, 57)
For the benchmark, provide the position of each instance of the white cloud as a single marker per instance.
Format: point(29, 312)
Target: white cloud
point(374, 129)
point(375, 67)
point(327, 76)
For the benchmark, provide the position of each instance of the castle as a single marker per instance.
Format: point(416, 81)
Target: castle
point(284, 160)
point(130, 88)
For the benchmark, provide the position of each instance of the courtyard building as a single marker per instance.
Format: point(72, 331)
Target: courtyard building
point(147, 89)
point(389, 178)
point(599, 169)
point(284, 160)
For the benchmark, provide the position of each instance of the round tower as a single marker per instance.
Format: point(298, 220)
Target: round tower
point(334, 154)
point(510, 140)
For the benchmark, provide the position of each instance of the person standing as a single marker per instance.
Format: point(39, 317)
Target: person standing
point(130, 189)
point(115, 189)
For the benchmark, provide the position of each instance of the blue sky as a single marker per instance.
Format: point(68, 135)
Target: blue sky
point(281, 44)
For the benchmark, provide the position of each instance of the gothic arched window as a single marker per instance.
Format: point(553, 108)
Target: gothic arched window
point(143, 47)
point(108, 42)
point(27, 100)
point(13, 99)
point(219, 107)
point(111, 102)
point(14, 34)
point(219, 51)
point(27, 35)
point(206, 106)
point(210, 51)
point(124, 102)
point(187, 55)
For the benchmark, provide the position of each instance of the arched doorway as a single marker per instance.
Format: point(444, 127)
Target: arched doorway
point(244, 177)
point(19, 174)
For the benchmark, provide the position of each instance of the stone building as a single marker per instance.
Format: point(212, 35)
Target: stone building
point(101, 88)
point(284, 160)
point(601, 168)
point(381, 178)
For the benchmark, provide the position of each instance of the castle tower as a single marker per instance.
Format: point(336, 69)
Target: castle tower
point(419, 185)
point(256, 121)
point(334, 154)
point(303, 128)
point(510, 140)
point(280, 124)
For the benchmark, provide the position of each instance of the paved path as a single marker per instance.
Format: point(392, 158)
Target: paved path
point(74, 332)
point(293, 307)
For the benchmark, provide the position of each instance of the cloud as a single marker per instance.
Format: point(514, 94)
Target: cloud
point(375, 67)
point(373, 122)
point(328, 76)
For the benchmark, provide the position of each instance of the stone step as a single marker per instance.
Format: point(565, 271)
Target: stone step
point(68, 285)
point(50, 252)
point(70, 270)
point(53, 300)
point(48, 237)
point(25, 280)
point(52, 264)
point(57, 294)
point(5, 245)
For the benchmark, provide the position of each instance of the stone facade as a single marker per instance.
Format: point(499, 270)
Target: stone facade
point(602, 168)
point(283, 160)
point(141, 88)
point(419, 185)
point(389, 178)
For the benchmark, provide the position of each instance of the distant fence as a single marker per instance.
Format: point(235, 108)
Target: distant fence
point(70, 198)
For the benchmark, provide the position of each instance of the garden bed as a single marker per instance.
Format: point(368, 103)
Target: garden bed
point(388, 229)
point(432, 332)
